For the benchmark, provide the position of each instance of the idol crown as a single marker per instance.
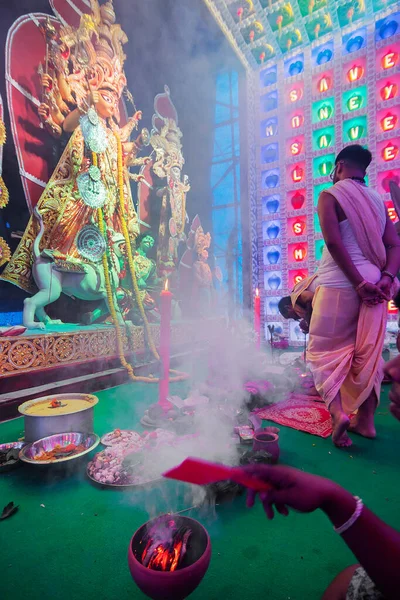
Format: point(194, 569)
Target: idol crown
point(202, 240)
point(91, 54)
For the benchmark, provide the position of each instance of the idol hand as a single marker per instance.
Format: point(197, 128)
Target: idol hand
point(44, 111)
point(47, 81)
point(94, 97)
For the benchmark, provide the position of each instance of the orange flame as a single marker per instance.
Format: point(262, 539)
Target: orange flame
point(166, 285)
point(257, 293)
point(163, 558)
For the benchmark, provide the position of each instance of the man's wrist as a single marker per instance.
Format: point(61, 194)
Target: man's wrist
point(361, 285)
point(357, 280)
point(338, 505)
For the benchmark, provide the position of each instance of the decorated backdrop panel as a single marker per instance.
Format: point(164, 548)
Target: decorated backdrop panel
point(341, 90)
point(328, 75)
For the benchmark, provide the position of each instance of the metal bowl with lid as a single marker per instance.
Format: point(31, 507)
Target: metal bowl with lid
point(60, 413)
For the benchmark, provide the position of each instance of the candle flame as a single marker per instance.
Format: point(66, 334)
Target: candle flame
point(166, 285)
point(257, 292)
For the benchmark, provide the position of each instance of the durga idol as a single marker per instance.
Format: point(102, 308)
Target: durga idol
point(68, 245)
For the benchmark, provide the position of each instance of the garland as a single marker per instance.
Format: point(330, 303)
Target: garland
point(125, 233)
point(4, 196)
point(107, 280)
point(110, 299)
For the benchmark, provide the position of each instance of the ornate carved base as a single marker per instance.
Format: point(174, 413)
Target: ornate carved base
point(73, 345)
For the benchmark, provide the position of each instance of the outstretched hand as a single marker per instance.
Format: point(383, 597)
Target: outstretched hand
point(291, 489)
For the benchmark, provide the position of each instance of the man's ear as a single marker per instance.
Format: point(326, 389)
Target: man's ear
point(340, 168)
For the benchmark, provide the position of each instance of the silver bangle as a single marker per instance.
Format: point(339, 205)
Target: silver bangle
point(388, 274)
point(359, 507)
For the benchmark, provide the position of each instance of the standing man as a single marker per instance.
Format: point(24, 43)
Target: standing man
point(356, 278)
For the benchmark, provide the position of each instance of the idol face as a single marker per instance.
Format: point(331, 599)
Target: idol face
point(147, 242)
point(175, 173)
point(203, 255)
point(107, 104)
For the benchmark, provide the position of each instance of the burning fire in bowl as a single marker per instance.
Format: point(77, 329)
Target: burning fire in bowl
point(169, 556)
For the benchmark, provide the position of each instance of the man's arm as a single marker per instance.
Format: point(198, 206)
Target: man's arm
point(375, 544)
point(392, 266)
point(306, 297)
point(392, 245)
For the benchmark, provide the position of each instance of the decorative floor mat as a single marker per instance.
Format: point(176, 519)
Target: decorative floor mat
point(301, 413)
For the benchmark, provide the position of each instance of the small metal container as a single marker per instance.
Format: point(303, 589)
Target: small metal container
point(4, 468)
point(75, 418)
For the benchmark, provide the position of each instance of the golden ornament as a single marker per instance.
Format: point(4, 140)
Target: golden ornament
point(2, 133)
point(3, 193)
point(5, 252)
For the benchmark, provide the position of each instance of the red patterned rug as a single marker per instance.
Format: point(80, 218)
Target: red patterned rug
point(301, 413)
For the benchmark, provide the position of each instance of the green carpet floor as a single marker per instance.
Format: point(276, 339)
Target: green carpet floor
point(69, 539)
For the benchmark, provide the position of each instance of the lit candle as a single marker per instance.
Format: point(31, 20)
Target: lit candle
point(165, 346)
point(257, 318)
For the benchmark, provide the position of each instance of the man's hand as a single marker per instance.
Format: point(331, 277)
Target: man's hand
point(371, 295)
point(291, 489)
point(304, 326)
point(385, 286)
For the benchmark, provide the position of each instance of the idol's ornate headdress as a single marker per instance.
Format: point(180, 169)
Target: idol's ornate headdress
point(202, 240)
point(166, 135)
point(88, 57)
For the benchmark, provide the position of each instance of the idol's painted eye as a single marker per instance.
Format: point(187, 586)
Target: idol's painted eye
point(107, 98)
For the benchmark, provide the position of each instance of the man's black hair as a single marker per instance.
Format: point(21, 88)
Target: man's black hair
point(284, 305)
point(355, 154)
